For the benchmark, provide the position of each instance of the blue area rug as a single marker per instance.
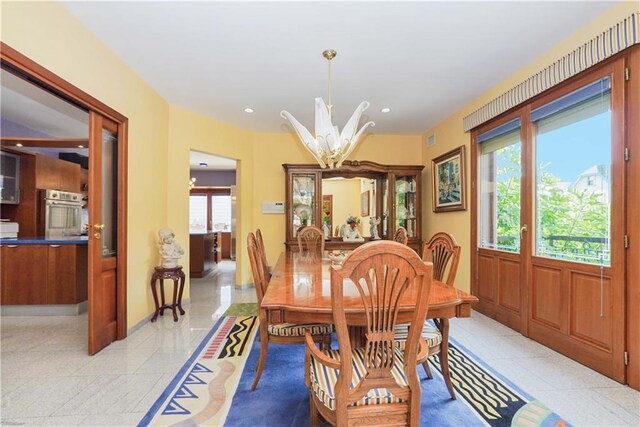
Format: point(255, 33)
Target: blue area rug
point(484, 397)
point(213, 387)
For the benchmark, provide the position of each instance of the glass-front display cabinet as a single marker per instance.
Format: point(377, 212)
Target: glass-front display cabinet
point(357, 203)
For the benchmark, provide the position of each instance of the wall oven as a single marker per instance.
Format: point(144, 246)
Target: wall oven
point(60, 213)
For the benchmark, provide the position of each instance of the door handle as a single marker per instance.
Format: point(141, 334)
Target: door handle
point(98, 231)
point(522, 230)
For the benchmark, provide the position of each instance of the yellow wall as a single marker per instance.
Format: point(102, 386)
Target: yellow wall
point(346, 199)
point(449, 135)
point(191, 131)
point(271, 150)
point(51, 36)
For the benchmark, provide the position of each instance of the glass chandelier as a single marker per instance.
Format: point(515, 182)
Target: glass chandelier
point(330, 147)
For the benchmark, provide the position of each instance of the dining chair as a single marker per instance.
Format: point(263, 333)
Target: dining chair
point(280, 333)
point(361, 385)
point(444, 252)
point(400, 235)
point(311, 239)
point(263, 254)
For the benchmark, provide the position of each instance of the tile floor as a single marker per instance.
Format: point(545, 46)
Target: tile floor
point(48, 379)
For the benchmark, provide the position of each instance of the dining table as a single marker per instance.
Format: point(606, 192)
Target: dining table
point(300, 292)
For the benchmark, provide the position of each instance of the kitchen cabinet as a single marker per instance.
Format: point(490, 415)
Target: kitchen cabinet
point(43, 274)
point(203, 253)
point(39, 172)
point(9, 178)
point(395, 193)
point(225, 245)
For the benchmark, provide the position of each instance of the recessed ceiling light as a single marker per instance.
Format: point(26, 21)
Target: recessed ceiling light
point(248, 110)
point(385, 110)
point(203, 164)
point(80, 146)
point(18, 145)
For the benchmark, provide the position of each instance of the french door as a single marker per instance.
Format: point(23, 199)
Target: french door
point(549, 219)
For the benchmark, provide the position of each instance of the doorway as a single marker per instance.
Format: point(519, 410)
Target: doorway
point(106, 189)
point(548, 219)
point(212, 220)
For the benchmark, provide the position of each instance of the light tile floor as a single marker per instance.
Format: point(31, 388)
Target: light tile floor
point(48, 379)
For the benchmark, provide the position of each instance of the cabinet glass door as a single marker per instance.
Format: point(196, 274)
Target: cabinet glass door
point(304, 202)
point(406, 203)
point(385, 207)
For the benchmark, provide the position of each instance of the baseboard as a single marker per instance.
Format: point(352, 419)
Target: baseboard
point(44, 310)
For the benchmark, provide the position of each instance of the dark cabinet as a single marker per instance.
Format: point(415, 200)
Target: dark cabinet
point(392, 194)
point(43, 274)
point(203, 253)
point(9, 178)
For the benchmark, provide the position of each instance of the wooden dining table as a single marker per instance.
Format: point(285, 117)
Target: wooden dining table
point(300, 292)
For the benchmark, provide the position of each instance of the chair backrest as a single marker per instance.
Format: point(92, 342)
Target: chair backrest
point(382, 272)
point(400, 236)
point(263, 254)
point(259, 277)
point(311, 239)
point(443, 250)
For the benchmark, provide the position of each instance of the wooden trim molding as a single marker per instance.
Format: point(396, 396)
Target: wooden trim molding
point(19, 64)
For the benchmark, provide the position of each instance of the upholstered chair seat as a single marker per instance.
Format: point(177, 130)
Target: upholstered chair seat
point(431, 335)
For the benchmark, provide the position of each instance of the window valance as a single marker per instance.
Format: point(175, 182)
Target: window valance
point(617, 38)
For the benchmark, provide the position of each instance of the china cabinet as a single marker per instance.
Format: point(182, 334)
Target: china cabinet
point(395, 199)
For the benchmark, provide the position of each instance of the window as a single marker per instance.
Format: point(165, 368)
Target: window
point(221, 212)
point(209, 210)
point(500, 173)
point(198, 213)
point(573, 164)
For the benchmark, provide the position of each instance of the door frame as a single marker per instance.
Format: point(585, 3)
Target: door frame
point(40, 76)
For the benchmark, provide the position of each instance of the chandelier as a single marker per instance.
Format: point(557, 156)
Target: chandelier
point(330, 147)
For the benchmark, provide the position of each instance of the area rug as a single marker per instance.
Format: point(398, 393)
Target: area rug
point(213, 387)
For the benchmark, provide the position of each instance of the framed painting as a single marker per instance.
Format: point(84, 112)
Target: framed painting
point(327, 210)
point(364, 204)
point(448, 177)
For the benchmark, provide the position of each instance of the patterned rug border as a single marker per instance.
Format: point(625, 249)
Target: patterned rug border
point(183, 370)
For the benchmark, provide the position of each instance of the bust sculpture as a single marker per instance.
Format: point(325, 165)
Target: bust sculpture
point(170, 250)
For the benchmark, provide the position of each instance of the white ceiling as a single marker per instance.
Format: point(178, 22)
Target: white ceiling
point(30, 106)
point(424, 60)
point(212, 162)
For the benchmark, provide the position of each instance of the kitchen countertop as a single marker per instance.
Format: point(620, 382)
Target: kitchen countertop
point(41, 240)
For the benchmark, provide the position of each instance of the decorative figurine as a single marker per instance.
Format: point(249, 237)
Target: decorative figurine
point(351, 233)
point(373, 223)
point(170, 250)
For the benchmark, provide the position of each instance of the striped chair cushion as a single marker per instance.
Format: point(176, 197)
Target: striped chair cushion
point(431, 335)
point(323, 379)
point(293, 330)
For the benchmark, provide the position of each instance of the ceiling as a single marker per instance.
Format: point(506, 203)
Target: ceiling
point(197, 158)
point(39, 111)
point(424, 60)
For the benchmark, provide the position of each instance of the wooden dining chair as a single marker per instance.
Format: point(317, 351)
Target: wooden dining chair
point(311, 239)
point(281, 333)
point(263, 254)
point(444, 252)
point(401, 236)
point(357, 385)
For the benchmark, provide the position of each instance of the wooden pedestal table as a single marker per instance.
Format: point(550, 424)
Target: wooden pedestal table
point(177, 275)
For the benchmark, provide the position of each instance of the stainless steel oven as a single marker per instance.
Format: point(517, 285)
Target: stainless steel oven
point(60, 213)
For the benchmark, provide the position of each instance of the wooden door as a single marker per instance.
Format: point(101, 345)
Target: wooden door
point(576, 278)
point(103, 231)
point(548, 219)
point(500, 257)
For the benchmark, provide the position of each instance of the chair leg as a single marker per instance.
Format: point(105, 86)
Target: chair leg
point(326, 342)
point(313, 411)
point(427, 369)
point(264, 345)
point(444, 357)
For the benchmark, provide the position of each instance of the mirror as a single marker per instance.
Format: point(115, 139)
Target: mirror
point(349, 198)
